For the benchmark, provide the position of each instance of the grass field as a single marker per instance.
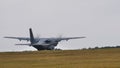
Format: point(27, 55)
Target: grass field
point(98, 58)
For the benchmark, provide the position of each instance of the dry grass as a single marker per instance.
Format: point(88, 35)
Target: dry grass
point(99, 58)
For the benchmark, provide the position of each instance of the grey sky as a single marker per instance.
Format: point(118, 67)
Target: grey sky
point(98, 20)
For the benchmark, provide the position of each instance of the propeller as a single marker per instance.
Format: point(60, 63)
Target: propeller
point(59, 36)
point(38, 36)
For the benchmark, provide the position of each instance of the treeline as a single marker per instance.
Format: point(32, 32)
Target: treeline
point(102, 47)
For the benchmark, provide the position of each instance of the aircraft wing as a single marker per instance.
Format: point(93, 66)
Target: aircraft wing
point(68, 38)
point(24, 44)
point(19, 38)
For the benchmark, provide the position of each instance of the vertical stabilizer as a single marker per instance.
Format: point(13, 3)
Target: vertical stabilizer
point(32, 40)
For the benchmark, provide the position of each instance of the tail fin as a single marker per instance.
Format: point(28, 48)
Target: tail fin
point(32, 40)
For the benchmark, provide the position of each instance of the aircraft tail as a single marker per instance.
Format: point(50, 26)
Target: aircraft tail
point(32, 40)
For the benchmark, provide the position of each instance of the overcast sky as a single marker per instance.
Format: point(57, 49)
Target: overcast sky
point(98, 20)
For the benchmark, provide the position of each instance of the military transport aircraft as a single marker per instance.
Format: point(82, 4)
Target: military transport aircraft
point(42, 43)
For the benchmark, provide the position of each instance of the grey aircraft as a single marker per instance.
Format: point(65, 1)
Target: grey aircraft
point(42, 43)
